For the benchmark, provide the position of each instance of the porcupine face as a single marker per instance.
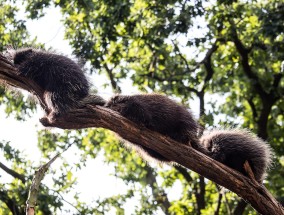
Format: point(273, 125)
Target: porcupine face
point(117, 103)
point(22, 55)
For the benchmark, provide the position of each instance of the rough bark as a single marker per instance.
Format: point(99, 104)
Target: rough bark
point(94, 116)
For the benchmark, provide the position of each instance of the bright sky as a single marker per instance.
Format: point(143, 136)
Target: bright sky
point(94, 180)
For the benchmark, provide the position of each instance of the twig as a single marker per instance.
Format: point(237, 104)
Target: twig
point(249, 171)
point(34, 188)
point(55, 191)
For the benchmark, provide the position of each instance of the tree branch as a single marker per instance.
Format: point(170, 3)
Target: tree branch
point(277, 79)
point(208, 65)
point(268, 99)
point(38, 177)
point(240, 208)
point(95, 116)
point(109, 71)
point(258, 45)
point(34, 189)
point(244, 52)
point(69, 203)
point(253, 108)
point(13, 173)
point(184, 173)
point(216, 212)
point(188, 69)
point(159, 194)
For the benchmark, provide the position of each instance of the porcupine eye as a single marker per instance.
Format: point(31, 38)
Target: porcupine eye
point(114, 100)
point(209, 145)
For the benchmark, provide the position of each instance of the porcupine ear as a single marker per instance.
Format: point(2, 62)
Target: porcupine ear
point(10, 52)
point(21, 55)
point(115, 98)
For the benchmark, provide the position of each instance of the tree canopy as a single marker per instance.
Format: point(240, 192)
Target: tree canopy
point(227, 56)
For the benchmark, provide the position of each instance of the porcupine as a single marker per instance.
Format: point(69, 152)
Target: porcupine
point(233, 147)
point(63, 81)
point(161, 114)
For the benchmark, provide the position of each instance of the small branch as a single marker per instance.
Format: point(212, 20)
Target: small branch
point(109, 71)
point(257, 45)
point(158, 193)
point(208, 65)
point(240, 208)
point(69, 203)
point(184, 173)
point(253, 108)
point(277, 79)
point(96, 116)
point(182, 57)
point(218, 204)
point(155, 77)
point(191, 89)
point(244, 54)
point(34, 189)
point(229, 212)
point(38, 177)
point(249, 171)
point(199, 195)
point(13, 173)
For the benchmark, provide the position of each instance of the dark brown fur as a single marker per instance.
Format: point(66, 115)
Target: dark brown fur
point(62, 79)
point(234, 147)
point(161, 114)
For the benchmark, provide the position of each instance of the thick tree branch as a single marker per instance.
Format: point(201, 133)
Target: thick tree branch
point(95, 116)
point(13, 173)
